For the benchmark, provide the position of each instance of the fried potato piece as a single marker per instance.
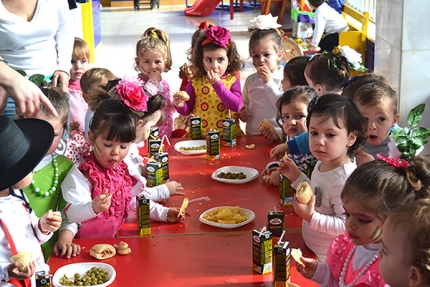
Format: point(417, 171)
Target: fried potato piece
point(226, 215)
point(183, 206)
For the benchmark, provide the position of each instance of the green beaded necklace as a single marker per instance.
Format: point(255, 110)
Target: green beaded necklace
point(54, 182)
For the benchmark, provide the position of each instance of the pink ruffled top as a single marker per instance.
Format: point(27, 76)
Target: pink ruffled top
point(118, 183)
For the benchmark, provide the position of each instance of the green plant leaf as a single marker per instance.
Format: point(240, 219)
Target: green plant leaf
point(416, 143)
point(22, 73)
point(404, 155)
point(420, 133)
point(402, 147)
point(399, 135)
point(37, 79)
point(415, 115)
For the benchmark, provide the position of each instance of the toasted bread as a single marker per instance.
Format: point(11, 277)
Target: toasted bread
point(102, 251)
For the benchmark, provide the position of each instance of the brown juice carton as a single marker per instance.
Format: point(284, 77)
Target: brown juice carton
point(275, 223)
point(154, 174)
point(153, 136)
point(196, 130)
point(262, 251)
point(154, 147)
point(281, 264)
point(143, 218)
point(163, 158)
point(285, 191)
point(229, 132)
point(212, 145)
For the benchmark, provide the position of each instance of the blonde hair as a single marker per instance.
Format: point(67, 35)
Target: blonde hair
point(80, 49)
point(155, 39)
point(94, 75)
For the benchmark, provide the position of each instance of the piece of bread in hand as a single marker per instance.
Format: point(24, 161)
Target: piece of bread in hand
point(304, 193)
point(265, 124)
point(184, 95)
point(102, 251)
point(24, 257)
point(296, 253)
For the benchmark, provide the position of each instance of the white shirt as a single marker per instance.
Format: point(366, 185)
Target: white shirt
point(30, 45)
point(260, 101)
point(329, 20)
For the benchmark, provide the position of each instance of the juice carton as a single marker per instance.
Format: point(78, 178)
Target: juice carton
point(196, 128)
point(229, 132)
point(154, 174)
point(143, 220)
point(262, 251)
point(275, 223)
point(163, 158)
point(285, 191)
point(281, 264)
point(154, 146)
point(212, 145)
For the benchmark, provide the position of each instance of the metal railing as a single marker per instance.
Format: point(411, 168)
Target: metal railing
point(363, 6)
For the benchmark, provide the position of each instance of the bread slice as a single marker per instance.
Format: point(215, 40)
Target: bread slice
point(24, 257)
point(304, 193)
point(265, 124)
point(102, 251)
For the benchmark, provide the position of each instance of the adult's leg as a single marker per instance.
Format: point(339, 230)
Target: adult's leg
point(328, 42)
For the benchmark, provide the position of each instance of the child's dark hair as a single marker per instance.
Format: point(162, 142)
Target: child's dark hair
point(236, 62)
point(294, 70)
point(328, 69)
point(60, 101)
point(379, 187)
point(352, 85)
point(155, 39)
point(272, 35)
point(197, 35)
point(316, 3)
point(372, 94)
point(112, 120)
point(338, 108)
point(302, 94)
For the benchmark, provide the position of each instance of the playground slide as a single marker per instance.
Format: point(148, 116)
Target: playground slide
point(202, 8)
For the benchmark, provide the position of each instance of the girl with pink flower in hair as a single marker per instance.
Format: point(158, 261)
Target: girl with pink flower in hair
point(153, 57)
point(214, 90)
point(98, 191)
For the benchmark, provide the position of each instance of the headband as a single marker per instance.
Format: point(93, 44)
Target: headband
point(218, 35)
point(265, 22)
point(396, 162)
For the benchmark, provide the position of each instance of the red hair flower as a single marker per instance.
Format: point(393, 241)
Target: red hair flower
point(218, 35)
point(203, 25)
point(133, 95)
point(396, 162)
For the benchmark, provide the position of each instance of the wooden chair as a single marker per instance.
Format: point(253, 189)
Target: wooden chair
point(265, 8)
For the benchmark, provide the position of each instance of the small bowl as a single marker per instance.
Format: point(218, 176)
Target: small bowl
point(82, 268)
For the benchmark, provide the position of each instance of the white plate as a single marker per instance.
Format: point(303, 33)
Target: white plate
point(82, 268)
point(247, 212)
point(191, 143)
point(250, 173)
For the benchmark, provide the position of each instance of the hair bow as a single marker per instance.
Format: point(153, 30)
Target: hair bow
point(396, 162)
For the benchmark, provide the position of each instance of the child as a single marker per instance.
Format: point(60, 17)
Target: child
point(292, 112)
point(336, 129)
point(294, 73)
point(372, 191)
point(377, 103)
point(325, 73)
point(78, 107)
point(27, 140)
point(405, 248)
point(328, 21)
point(263, 88)
point(91, 80)
point(44, 192)
point(215, 89)
point(153, 57)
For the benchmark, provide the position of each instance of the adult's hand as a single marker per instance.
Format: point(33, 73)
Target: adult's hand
point(62, 78)
point(27, 96)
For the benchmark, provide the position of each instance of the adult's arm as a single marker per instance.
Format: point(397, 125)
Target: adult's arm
point(27, 96)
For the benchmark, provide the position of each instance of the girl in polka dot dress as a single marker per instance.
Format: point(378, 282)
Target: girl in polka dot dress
point(215, 91)
point(153, 57)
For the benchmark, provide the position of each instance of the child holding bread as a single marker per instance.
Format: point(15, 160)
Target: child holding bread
point(371, 193)
point(336, 129)
point(24, 143)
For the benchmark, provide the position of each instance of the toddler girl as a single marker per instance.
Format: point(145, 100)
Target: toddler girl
point(292, 112)
point(372, 191)
point(215, 89)
point(325, 73)
point(294, 73)
point(153, 57)
point(404, 256)
point(44, 192)
point(263, 88)
point(336, 129)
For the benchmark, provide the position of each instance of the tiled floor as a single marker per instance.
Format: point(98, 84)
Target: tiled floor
point(122, 27)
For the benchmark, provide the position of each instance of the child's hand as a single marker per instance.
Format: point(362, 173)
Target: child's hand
point(175, 188)
point(154, 76)
point(172, 215)
point(178, 100)
point(265, 74)
point(271, 176)
point(74, 125)
point(142, 169)
point(362, 157)
point(243, 114)
point(305, 211)
point(270, 135)
point(101, 203)
point(212, 77)
point(312, 49)
point(279, 151)
point(64, 247)
point(50, 221)
point(289, 168)
point(308, 268)
point(14, 270)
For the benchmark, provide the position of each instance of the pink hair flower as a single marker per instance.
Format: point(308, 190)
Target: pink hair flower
point(218, 35)
point(133, 95)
